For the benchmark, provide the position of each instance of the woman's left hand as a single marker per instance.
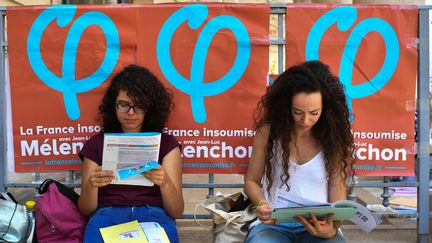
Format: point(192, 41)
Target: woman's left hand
point(157, 175)
point(322, 229)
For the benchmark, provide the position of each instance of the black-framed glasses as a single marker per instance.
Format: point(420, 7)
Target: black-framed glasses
point(125, 107)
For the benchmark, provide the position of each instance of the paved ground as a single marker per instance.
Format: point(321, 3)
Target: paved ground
point(391, 230)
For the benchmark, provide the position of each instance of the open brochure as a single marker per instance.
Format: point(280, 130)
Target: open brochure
point(287, 206)
point(146, 232)
point(287, 215)
point(129, 155)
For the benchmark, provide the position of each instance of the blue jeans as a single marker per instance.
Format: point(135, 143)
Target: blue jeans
point(112, 215)
point(283, 233)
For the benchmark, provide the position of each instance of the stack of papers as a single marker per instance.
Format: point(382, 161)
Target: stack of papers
point(146, 232)
point(403, 191)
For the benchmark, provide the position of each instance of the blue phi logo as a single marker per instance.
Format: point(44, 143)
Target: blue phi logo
point(345, 16)
point(195, 15)
point(67, 84)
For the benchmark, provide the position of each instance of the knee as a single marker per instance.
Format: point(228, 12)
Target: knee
point(171, 232)
point(266, 234)
point(338, 238)
point(92, 234)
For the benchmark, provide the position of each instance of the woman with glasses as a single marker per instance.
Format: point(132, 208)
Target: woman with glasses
point(303, 148)
point(136, 101)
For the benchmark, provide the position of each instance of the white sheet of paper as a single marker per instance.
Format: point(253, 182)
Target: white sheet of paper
point(154, 232)
point(285, 199)
point(123, 150)
point(363, 217)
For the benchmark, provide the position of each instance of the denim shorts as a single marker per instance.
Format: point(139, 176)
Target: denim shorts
point(112, 215)
point(285, 233)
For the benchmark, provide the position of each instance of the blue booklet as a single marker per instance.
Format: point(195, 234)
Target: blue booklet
point(124, 173)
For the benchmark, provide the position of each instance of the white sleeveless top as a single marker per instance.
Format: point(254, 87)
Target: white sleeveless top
point(308, 180)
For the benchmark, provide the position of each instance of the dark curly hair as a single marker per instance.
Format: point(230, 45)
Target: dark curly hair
point(146, 91)
point(332, 130)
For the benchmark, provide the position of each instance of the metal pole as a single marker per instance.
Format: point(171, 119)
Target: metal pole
point(3, 147)
point(281, 24)
point(386, 194)
point(71, 177)
point(211, 186)
point(424, 128)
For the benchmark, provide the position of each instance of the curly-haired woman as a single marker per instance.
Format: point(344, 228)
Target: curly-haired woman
point(136, 101)
point(304, 147)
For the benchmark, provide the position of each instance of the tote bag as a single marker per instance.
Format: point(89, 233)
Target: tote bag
point(227, 226)
point(15, 224)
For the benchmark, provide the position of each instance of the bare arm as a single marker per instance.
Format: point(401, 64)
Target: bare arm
point(92, 178)
point(254, 175)
point(337, 187)
point(169, 178)
point(337, 190)
point(256, 167)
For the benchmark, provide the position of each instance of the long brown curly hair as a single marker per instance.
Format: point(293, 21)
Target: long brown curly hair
point(332, 130)
point(146, 91)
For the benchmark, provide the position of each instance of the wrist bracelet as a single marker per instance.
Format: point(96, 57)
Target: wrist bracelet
point(336, 227)
point(261, 202)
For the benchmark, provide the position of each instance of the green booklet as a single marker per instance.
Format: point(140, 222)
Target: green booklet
point(288, 205)
point(287, 215)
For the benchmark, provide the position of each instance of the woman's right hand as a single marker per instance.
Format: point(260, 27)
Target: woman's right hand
point(100, 178)
point(264, 212)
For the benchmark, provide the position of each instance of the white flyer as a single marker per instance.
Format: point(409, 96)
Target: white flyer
point(154, 232)
point(129, 155)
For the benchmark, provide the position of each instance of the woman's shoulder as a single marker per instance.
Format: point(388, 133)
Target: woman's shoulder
point(98, 136)
point(168, 143)
point(165, 137)
point(95, 139)
point(93, 148)
point(263, 131)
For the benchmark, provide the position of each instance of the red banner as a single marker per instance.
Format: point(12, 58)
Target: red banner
point(373, 50)
point(50, 124)
point(217, 72)
point(213, 57)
